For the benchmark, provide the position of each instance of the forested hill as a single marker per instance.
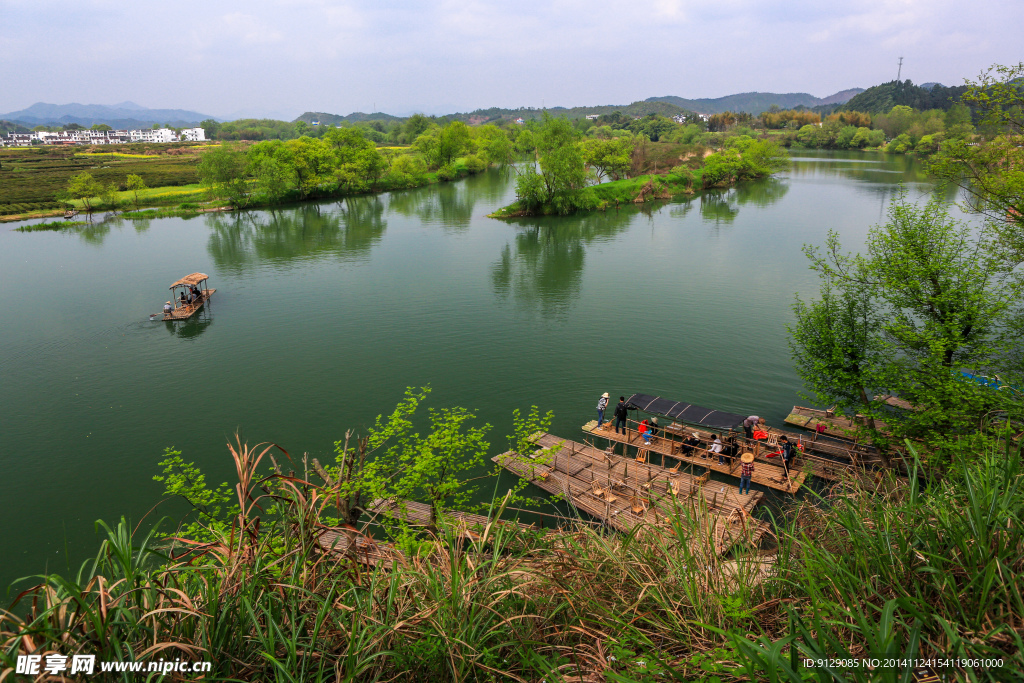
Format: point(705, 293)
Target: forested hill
point(355, 117)
point(880, 99)
point(501, 114)
point(755, 102)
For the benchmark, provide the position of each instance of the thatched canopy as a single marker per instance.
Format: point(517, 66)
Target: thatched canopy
point(193, 279)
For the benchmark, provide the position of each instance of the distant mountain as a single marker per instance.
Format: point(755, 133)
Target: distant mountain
point(123, 115)
point(12, 127)
point(755, 102)
point(326, 119)
point(879, 99)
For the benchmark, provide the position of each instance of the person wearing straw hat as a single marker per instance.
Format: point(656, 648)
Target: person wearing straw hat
point(746, 471)
point(602, 403)
point(168, 307)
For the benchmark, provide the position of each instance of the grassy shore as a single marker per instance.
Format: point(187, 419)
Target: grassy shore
point(909, 571)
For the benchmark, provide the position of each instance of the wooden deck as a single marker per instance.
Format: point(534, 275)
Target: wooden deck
point(470, 525)
point(624, 493)
point(365, 550)
point(766, 472)
point(187, 311)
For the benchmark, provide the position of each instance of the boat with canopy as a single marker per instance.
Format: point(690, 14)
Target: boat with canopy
point(194, 293)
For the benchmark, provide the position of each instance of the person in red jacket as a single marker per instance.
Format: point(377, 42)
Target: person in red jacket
point(645, 431)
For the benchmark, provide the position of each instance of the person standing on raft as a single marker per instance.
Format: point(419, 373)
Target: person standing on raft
point(602, 403)
point(746, 471)
point(621, 413)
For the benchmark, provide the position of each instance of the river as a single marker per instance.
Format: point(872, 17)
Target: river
point(325, 312)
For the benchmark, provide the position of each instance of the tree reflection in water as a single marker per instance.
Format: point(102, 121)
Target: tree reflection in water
point(722, 206)
point(345, 230)
point(544, 266)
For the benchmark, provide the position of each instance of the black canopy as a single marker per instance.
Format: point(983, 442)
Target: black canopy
point(686, 412)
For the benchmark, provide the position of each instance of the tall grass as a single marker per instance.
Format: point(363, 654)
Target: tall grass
point(912, 570)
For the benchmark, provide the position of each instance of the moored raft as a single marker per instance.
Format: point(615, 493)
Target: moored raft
point(625, 494)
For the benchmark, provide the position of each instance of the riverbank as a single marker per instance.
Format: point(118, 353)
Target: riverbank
point(866, 575)
point(193, 198)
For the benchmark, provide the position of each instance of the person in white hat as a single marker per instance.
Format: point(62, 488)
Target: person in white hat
point(746, 471)
point(168, 308)
point(602, 403)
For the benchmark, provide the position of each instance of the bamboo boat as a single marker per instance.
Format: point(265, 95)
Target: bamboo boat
point(176, 309)
point(625, 494)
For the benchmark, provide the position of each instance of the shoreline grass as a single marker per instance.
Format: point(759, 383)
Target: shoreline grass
point(909, 571)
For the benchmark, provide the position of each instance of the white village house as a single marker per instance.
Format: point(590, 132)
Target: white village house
point(101, 137)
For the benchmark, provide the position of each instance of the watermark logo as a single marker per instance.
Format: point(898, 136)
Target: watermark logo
point(58, 664)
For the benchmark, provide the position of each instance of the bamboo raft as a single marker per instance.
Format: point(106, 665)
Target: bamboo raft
point(834, 425)
point(624, 493)
point(469, 525)
point(365, 550)
point(185, 311)
point(765, 473)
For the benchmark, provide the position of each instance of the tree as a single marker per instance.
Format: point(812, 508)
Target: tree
point(563, 175)
point(84, 187)
point(135, 184)
point(609, 156)
point(943, 305)
point(837, 345)
point(991, 172)
point(222, 170)
point(271, 165)
point(100, 126)
point(108, 196)
point(433, 466)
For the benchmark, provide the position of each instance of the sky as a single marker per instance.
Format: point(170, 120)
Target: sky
point(281, 58)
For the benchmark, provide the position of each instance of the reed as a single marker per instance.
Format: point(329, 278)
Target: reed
point(912, 570)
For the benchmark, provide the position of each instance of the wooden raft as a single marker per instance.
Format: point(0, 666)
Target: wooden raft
point(770, 475)
point(838, 426)
point(365, 550)
point(470, 525)
point(187, 311)
point(624, 494)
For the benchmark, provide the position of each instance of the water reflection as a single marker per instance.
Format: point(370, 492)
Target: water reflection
point(345, 230)
point(877, 170)
point(543, 267)
point(722, 206)
point(193, 327)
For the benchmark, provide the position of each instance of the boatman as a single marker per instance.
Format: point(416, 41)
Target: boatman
point(749, 424)
point(746, 471)
point(168, 307)
point(602, 403)
point(621, 413)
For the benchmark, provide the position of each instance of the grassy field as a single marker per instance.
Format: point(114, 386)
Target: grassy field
point(31, 177)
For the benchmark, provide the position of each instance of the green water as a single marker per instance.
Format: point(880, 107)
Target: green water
point(324, 313)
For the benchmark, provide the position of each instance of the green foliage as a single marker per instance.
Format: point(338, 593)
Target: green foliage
point(84, 187)
point(609, 156)
point(559, 184)
point(134, 184)
point(991, 171)
point(882, 98)
point(222, 173)
point(925, 301)
point(210, 505)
